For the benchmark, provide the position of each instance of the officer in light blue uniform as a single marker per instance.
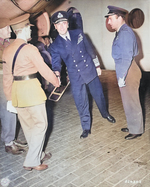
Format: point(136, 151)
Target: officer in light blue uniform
point(124, 50)
point(73, 47)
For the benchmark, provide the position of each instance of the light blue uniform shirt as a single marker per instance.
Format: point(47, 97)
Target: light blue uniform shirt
point(124, 49)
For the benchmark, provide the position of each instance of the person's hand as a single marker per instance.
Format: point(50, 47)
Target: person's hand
point(99, 71)
point(121, 82)
point(57, 73)
point(10, 107)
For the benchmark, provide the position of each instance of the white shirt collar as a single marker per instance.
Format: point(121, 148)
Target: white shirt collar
point(64, 36)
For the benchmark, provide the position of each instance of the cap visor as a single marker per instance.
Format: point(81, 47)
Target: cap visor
point(60, 20)
point(110, 14)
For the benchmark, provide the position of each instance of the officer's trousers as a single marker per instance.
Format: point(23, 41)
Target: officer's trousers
point(34, 124)
point(80, 95)
point(8, 119)
point(131, 101)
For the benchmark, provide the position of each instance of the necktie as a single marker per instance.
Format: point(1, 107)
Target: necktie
point(116, 34)
point(68, 42)
point(67, 39)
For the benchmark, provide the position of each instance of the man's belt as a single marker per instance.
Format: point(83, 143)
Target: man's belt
point(25, 77)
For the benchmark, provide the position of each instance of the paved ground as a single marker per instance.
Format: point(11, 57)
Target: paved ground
point(104, 159)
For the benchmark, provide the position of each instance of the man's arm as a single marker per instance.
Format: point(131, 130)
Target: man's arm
point(126, 48)
point(41, 66)
point(56, 59)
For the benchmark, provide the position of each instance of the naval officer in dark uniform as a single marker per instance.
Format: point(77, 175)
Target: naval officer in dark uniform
point(73, 47)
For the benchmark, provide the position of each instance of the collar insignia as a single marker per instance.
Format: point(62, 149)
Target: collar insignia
point(80, 38)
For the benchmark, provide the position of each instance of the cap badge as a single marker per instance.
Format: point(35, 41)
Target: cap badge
point(59, 15)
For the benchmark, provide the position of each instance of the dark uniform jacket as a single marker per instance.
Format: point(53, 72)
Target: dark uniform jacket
point(78, 56)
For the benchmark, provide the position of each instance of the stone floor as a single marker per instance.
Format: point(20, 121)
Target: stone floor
point(104, 159)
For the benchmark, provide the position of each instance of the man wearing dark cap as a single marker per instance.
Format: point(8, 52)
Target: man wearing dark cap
point(124, 49)
point(22, 87)
point(73, 47)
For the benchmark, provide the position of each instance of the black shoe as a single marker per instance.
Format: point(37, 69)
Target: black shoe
point(85, 133)
point(110, 119)
point(132, 136)
point(125, 130)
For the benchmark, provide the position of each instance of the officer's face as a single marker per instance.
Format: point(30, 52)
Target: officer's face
point(114, 22)
point(5, 32)
point(62, 27)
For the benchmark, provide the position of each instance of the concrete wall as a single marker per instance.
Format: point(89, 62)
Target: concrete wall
point(93, 12)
